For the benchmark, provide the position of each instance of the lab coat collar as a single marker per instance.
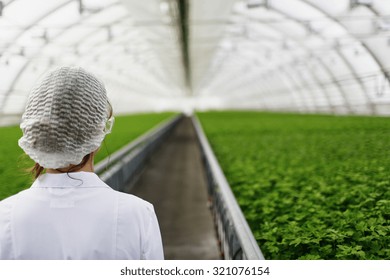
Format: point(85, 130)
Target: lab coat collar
point(65, 180)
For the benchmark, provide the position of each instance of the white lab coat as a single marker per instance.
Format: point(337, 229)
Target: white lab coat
point(77, 216)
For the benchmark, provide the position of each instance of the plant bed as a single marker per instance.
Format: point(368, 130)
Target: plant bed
point(310, 186)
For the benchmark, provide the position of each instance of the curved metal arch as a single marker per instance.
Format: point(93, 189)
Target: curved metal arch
point(306, 77)
point(269, 90)
point(385, 73)
point(327, 95)
point(32, 24)
point(340, 55)
point(27, 63)
point(103, 45)
point(20, 34)
point(97, 30)
point(299, 86)
point(228, 78)
point(361, 84)
point(292, 84)
point(139, 87)
point(342, 58)
point(222, 81)
point(322, 89)
point(296, 87)
point(294, 95)
point(345, 59)
point(264, 100)
point(258, 44)
point(309, 52)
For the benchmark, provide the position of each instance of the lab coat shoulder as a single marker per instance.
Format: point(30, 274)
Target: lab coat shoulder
point(133, 210)
point(6, 248)
point(6, 206)
point(7, 202)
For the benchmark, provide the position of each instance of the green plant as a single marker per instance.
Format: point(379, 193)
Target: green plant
point(310, 186)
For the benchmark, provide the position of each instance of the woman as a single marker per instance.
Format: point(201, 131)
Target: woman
point(69, 213)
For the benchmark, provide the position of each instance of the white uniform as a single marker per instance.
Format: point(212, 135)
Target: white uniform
point(77, 216)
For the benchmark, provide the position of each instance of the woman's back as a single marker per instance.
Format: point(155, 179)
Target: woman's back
point(69, 213)
point(77, 216)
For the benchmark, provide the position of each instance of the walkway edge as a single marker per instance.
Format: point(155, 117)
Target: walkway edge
point(127, 162)
point(237, 240)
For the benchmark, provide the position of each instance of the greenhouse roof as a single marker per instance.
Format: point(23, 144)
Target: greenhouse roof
point(288, 55)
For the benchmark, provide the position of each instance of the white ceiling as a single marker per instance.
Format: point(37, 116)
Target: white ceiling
point(298, 55)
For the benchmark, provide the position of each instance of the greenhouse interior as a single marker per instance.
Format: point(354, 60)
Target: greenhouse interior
point(258, 129)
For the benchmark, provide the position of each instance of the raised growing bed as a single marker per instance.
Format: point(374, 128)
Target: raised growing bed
point(310, 186)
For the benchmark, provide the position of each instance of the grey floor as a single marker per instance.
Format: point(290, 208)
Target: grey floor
point(174, 182)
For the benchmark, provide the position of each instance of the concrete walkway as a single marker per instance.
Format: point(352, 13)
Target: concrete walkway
point(174, 182)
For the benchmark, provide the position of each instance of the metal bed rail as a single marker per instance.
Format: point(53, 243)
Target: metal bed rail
point(237, 240)
point(123, 166)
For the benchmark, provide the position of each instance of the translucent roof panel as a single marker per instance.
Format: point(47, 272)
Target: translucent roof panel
point(107, 37)
point(325, 55)
point(297, 55)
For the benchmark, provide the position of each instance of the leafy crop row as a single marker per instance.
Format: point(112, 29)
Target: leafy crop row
point(310, 186)
point(13, 164)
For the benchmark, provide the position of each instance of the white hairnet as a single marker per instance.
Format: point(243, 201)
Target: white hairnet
point(65, 118)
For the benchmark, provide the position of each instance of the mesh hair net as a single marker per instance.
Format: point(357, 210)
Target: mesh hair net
point(65, 118)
